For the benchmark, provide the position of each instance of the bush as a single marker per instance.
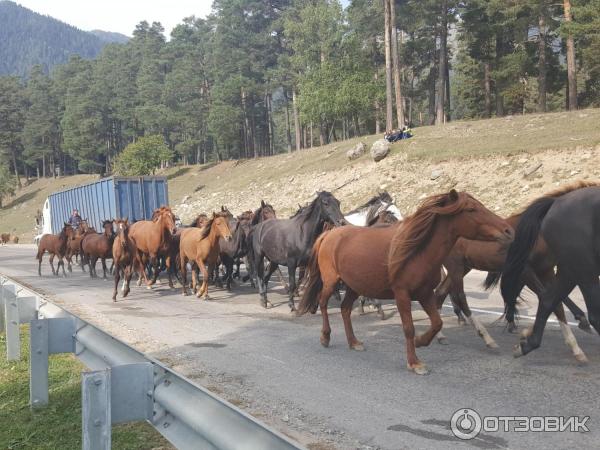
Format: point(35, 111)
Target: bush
point(142, 157)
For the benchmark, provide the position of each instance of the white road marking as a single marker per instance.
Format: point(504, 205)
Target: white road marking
point(521, 316)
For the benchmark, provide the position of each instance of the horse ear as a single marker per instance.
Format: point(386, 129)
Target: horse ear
point(214, 215)
point(223, 208)
point(453, 195)
point(262, 204)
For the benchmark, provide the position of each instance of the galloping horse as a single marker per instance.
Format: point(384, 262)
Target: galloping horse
point(123, 252)
point(288, 242)
point(264, 212)
point(98, 246)
point(230, 251)
point(401, 261)
point(55, 245)
point(201, 247)
point(491, 256)
point(568, 220)
point(151, 239)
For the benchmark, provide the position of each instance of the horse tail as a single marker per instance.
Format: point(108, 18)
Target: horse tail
point(526, 236)
point(491, 280)
point(314, 282)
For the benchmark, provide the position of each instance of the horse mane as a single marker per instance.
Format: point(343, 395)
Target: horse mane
point(160, 212)
point(206, 228)
point(257, 213)
point(306, 211)
point(382, 196)
point(559, 192)
point(412, 236)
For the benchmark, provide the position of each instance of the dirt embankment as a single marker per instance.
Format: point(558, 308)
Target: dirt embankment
point(504, 183)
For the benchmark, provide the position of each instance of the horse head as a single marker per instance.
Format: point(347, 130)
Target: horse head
point(165, 216)
point(221, 224)
point(107, 225)
point(330, 208)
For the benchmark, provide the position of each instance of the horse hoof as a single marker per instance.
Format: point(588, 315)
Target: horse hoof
point(517, 351)
point(420, 369)
point(359, 347)
point(442, 340)
point(581, 358)
point(206, 297)
point(584, 325)
point(512, 328)
point(324, 342)
point(491, 344)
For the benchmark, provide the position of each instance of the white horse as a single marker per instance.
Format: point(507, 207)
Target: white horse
point(367, 214)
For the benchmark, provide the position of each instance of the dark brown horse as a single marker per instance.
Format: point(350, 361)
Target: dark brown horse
point(55, 245)
point(401, 261)
point(96, 246)
point(74, 244)
point(151, 239)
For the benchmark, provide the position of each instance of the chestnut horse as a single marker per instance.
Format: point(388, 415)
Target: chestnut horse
point(55, 245)
point(401, 261)
point(200, 246)
point(98, 246)
point(151, 239)
point(74, 244)
point(123, 252)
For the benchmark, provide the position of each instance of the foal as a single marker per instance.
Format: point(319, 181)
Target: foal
point(55, 245)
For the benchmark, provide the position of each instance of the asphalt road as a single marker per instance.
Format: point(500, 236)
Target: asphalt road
point(272, 365)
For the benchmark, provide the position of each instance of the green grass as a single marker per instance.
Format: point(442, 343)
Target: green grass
point(57, 426)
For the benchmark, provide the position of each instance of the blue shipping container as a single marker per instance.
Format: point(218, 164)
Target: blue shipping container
point(115, 197)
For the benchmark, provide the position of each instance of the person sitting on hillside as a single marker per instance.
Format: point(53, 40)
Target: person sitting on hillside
point(75, 219)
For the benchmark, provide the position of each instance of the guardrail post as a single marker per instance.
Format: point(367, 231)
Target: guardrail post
point(95, 410)
point(11, 317)
point(38, 363)
point(2, 322)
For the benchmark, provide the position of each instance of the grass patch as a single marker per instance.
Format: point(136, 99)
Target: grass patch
point(57, 426)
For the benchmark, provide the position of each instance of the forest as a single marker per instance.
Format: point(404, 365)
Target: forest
point(260, 77)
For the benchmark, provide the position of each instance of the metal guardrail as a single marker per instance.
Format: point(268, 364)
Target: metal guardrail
point(124, 385)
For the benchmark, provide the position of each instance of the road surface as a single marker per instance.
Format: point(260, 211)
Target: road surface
point(272, 365)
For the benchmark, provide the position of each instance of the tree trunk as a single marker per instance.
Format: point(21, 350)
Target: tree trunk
point(296, 119)
point(571, 65)
point(271, 125)
point(396, 66)
point(497, 87)
point(322, 135)
point(377, 108)
point(44, 165)
point(288, 132)
point(542, 64)
point(487, 86)
point(441, 81)
point(17, 178)
point(389, 112)
point(431, 97)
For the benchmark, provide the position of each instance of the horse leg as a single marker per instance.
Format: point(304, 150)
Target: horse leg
point(292, 280)
point(183, 270)
point(579, 315)
point(128, 274)
point(404, 308)
point(104, 268)
point(326, 291)
point(228, 263)
point(203, 291)
point(548, 301)
point(51, 260)
point(430, 307)
point(117, 279)
point(168, 263)
point(40, 256)
point(92, 259)
point(461, 300)
point(155, 269)
point(346, 308)
point(535, 283)
point(265, 282)
point(591, 295)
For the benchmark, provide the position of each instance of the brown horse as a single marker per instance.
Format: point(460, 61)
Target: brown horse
point(201, 247)
point(74, 244)
point(123, 252)
point(98, 246)
point(151, 239)
point(401, 261)
point(55, 245)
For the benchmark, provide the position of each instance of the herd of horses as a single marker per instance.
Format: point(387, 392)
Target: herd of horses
point(551, 246)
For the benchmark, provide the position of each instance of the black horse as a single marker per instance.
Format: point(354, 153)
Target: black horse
point(231, 251)
point(288, 242)
point(569, 222)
